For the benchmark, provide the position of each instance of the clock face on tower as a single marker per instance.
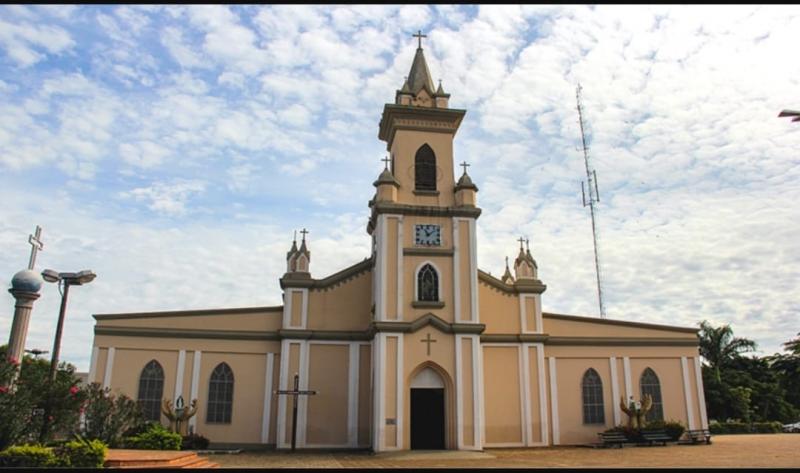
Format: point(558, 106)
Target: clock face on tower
point(428, 235)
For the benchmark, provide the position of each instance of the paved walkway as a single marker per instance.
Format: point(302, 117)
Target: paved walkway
point(735, 451)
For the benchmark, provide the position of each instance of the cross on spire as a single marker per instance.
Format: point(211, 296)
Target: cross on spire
point(304, 232)
point(419, 37)
point(521, 241)
point(386, 160)
point(36, 245)
point(465, 166)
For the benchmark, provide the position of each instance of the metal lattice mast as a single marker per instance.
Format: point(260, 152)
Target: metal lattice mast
point(594, 197)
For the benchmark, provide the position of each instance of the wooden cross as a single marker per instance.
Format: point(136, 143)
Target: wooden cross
point(465, 166)
point(386, 161)
point(428, 341)
point(304, 232)
point(294, 393)
point(36, 245)
point(419, 37)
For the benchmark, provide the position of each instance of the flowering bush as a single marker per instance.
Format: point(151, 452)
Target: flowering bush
point(156, 437)
point(23, 406)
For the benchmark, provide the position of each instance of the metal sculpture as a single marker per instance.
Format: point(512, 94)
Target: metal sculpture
point(637, 411)
point(179, 416)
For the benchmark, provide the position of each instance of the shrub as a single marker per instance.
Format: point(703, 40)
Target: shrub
point(719, 428)
point(28, 456)
point(194, 442)
point(155, 438)
point(110, 418)
point(82, 453)
point(673, 428)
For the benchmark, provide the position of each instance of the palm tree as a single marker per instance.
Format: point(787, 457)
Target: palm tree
point(719, 347)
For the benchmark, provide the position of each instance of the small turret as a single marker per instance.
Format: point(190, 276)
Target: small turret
point(507, 277)
point(523, 267)
point(291, 255)
point(386, 185)
point(303, 255)
point(530, 259)
point(465, 189)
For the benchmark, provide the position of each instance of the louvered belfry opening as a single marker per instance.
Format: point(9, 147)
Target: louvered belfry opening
point(425, 169)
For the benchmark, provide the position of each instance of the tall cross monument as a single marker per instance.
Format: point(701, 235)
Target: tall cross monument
point(25, 286)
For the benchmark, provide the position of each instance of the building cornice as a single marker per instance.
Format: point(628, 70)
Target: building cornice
point(408, 117)
point(425, 320)
point(519, 287)
point(420, 210)
point(303, 280)
point(624, 323)
point(188, 313)
point(187, 333)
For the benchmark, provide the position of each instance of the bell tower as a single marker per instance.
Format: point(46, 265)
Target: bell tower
point(425, 277)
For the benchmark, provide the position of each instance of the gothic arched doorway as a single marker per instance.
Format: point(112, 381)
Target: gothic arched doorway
point(427, 411)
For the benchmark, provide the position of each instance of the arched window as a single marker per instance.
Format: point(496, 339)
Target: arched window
point(220, 395)
point(427, 284)
point(593, 412)
point(425, 169)
point(649, 384)
point(151, 388)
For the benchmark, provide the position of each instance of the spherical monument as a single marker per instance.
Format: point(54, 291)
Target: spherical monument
point(27, 280)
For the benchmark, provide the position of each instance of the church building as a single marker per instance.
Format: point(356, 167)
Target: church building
point(412, 348)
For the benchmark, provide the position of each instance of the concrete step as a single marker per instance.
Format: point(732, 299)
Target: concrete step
point(156, 459)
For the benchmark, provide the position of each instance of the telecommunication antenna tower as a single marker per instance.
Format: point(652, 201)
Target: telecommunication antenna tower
point(594, 197)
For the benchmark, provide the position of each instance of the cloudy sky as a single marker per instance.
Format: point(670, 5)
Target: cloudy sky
point(173, 150)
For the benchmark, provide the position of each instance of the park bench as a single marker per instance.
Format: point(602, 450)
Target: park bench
point(699, 435)
point(611, 439)
point(651, 437)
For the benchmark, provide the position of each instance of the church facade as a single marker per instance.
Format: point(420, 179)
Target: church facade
point(414, 347)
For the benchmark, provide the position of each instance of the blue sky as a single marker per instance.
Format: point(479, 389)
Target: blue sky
point(173, 150)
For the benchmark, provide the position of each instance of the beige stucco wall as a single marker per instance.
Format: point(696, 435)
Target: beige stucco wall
point(570, 373)
point(344, 306)
point(498, 310)
point(503, 413)
point(467, 412)
point(365, 399)
point(588, 328)
point(327, 411)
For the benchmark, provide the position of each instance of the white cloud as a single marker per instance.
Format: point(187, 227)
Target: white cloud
point(169, 199)
point(28, 44)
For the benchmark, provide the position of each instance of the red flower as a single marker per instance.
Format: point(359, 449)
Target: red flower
point(3, 389)
point(74, 390)
point(13, 360)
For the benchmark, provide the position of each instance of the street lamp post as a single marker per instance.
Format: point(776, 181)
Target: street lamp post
point(64, 280)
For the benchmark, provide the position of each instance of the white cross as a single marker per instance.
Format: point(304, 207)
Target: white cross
point(36, 245)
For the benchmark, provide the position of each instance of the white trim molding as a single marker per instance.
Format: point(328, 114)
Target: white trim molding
point(283, 381)
point(93, 364)
point(400, 400)
point(267, 412)
point(302, 401)
point(612, 361)
point(525, 380)
point(456, 273)
point(399, 315)
point(179, 375)
point(287, 309)
point(109, 367)
point(480, 422)
point(195, 385)
point(701, 397)
point(687, 394)
point(523, 314)
point(459, 393)
point(554, 400)
point(542, 392)
point(473, 271)
point(352, 394)
point(626, 368)
point(382, 237)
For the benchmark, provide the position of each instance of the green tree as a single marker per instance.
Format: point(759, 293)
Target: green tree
point(110, 418)
point(719, 347)
point(786, 366)
point(22, 406)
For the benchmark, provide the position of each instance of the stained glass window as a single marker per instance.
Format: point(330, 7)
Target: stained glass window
point(649, 385)
point(151, 389)
point(425, 169)
point(427, 284)
point(592, 398)
point(220, 395)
